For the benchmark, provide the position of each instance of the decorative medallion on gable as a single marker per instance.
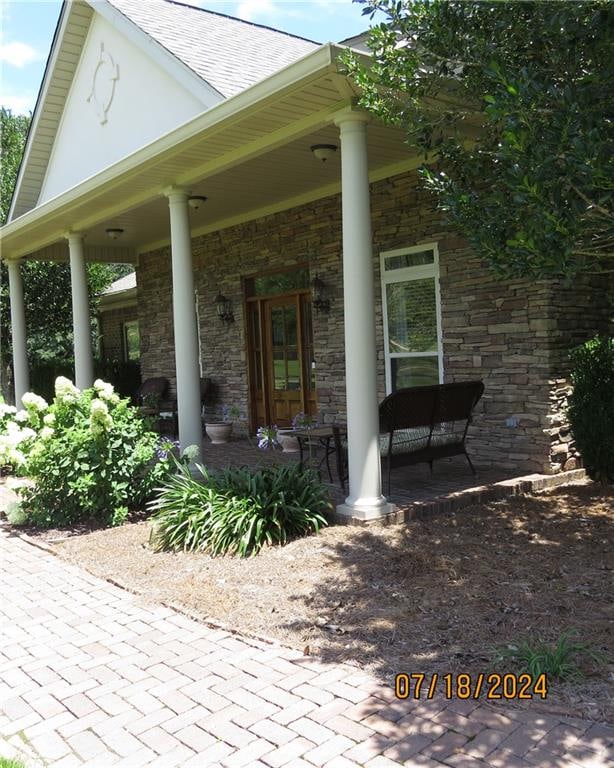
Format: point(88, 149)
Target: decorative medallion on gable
point(105, 76)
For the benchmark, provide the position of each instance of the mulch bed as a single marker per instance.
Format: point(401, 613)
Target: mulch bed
point(432, 596)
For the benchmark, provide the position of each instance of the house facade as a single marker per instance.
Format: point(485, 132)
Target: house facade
point(283, 246)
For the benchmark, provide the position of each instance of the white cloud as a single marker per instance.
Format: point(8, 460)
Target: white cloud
point(18, 54)
point(250, 9)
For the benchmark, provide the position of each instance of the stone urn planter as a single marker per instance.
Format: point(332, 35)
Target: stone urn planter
point(287, 440)
point(218, 432)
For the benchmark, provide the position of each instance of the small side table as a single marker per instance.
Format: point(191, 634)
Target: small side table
point(319, 438)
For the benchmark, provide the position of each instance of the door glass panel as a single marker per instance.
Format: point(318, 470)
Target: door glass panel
point(291, 326)
point(294, 372)
point(412, 316)
point(277, 326)
point(281, 282)
point(414, 371)
point(279, 368)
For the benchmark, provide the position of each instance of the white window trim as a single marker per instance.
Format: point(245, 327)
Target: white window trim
point(125, 325)
point(402, 275)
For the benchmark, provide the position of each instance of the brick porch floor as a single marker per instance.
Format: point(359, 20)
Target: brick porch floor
point(93, 676)
point(414, 490)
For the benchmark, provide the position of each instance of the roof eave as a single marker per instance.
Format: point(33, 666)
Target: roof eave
point(313, 64)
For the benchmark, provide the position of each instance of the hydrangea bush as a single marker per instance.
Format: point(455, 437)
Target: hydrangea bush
point(19, 430)
point(92, 457)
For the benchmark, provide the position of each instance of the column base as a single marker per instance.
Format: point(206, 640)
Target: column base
point(367, 510)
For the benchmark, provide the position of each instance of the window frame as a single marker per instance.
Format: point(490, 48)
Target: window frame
point(125, 325)
point(403, 275)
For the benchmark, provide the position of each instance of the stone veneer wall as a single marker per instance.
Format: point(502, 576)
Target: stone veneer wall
point(577, 312)
point(111, 329)
point(510, 334)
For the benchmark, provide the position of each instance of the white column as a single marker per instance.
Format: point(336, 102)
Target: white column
point(18, 328)
point(365, 499)
point(82, 328)
point(184, 321)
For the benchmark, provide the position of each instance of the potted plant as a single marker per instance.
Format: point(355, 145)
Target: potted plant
point(220, 431)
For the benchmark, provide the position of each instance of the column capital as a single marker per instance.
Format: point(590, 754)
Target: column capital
point(74, 237)
point(351, 116)
point(176, 194)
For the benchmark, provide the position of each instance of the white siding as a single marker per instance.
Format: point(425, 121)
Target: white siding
point(147, 102)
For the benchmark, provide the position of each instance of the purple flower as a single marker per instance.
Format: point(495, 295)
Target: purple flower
point(165, 447)
point(267, 437)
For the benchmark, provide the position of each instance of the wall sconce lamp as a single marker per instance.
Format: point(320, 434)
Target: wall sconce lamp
point(324, 152)
point(114, 232)
point(195, 201)
point(318, 291)
point(224, 309)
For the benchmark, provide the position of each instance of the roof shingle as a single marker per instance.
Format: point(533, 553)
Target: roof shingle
point(230, 54)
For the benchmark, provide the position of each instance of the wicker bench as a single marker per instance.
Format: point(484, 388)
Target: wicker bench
point(420, 424)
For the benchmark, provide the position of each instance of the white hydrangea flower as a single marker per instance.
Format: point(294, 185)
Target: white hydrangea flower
point(16, 457)
point(46, 433)
point(21, 417)
point(100, 418)
point(34, 402)
point(16, 434)
point(7, 410)
point(49, 419)
point(65, 389)
point(106, 392)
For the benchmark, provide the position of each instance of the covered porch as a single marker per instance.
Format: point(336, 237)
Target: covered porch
point(249, 157)
point(416, 492)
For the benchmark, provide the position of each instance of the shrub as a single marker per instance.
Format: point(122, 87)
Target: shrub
point(237, 511)
point(591, 406)
point(558, 661)
point(93, 459)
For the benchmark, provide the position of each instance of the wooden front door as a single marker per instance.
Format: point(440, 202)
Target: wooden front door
point(282, 374)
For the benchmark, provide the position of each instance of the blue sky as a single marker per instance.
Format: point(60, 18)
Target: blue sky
point(27, 26)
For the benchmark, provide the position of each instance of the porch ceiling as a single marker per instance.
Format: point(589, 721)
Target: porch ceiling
point(250, 156)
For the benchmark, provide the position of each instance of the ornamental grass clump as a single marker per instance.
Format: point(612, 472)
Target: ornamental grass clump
point(559, 661)
point(92, 460)
point(237, 511)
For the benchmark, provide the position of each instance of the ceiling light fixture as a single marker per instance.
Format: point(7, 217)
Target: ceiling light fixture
point(324, 152)
point(195, 201)
point(114, 232)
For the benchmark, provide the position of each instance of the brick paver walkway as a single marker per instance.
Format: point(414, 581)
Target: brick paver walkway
point(92, 675)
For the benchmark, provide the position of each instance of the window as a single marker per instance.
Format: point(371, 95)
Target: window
point(131, 340)
point(412, 317)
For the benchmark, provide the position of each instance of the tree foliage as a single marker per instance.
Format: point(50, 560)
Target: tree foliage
point(13, 135)
point(511, 102)
point(591, 406)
